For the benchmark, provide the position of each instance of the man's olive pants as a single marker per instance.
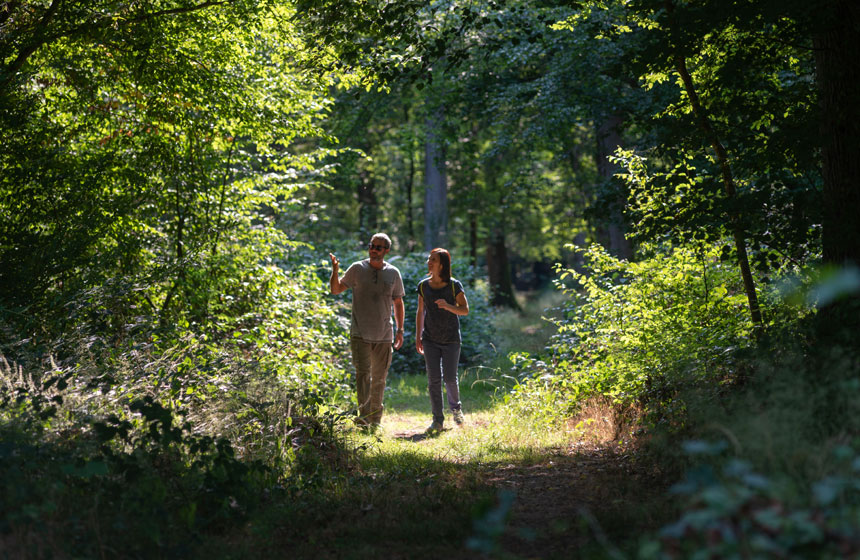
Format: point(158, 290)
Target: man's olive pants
point(371, 360)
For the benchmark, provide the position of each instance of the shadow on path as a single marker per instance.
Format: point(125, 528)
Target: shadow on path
point(578, 502)
point(416, 436)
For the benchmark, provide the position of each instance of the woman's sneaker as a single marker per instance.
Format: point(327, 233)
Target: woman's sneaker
point(458, 417)
point(434, 429)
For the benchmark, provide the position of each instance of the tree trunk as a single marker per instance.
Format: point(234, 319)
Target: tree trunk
point(728, 181)
point(838, 76)
point(729, 186)
point(836, 44)
point(473, 238)
point(498, 264)
point(499, 271)
point(368, 205)
point(436, 193)
point(608, 140)
point(410, 189)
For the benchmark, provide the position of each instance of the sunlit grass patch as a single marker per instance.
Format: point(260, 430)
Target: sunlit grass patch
point(492, 433)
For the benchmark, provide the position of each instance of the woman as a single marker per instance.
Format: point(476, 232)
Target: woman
point(441, 303)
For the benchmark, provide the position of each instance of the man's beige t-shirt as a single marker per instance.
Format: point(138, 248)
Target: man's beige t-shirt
point(373, 295)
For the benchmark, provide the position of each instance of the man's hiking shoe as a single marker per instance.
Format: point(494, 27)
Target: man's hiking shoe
point(371, 429)
point(458, 417)
point(434, 429)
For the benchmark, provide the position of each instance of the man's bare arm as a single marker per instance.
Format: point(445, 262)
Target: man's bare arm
point(336, 286)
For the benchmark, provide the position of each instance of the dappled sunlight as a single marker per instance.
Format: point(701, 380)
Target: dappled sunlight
point(527, 330)
point(650, 207)
point(559, 487)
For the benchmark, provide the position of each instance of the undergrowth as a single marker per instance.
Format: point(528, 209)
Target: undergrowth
point(760, 431)
point(233, 438)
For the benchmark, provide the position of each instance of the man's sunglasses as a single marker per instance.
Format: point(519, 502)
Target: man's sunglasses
point(374, 247)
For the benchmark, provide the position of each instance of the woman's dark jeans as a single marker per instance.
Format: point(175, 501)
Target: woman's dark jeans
point(441, 360)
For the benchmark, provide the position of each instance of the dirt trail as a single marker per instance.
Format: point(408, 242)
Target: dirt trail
point(577, 502)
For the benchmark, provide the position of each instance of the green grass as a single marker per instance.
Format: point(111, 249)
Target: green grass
point(420, 496)
point(491, 434)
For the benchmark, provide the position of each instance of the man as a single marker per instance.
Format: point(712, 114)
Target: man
point(376, 288)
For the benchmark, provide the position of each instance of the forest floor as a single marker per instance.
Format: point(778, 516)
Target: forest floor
point(555, 493)
point(506, 485)
point(499, 487)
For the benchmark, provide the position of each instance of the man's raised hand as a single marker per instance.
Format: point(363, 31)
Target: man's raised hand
point(334, 281)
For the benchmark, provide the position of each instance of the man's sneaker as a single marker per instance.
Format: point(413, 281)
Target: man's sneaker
point(372, 428)
point(458, 417)
point(434, 429)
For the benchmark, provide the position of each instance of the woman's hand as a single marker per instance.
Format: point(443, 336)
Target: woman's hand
point(419, 346)
point(460, 309)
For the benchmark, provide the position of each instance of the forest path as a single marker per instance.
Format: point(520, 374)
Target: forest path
point(557, 495)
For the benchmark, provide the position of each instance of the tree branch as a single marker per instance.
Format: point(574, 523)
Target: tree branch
point(6, 13)
point(177, 11)
point(42, 39)
point(28, 51)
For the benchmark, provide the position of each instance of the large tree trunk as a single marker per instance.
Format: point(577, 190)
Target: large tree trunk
point(499, 270)
point(836, 44)
point(608, 140)
point(836, 49)
point(436, 193)
point(498, 264)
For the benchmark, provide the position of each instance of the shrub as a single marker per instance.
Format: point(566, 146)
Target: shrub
point(139, 475)
point(640, 334)
point(734, 511)
point(143, 442)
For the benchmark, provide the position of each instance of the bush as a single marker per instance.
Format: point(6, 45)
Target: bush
point(144, 442)
point(734, 511)
point(640, 333)
point(139, 476)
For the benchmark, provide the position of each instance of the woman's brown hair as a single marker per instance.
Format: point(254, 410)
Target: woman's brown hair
point(445, 261)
